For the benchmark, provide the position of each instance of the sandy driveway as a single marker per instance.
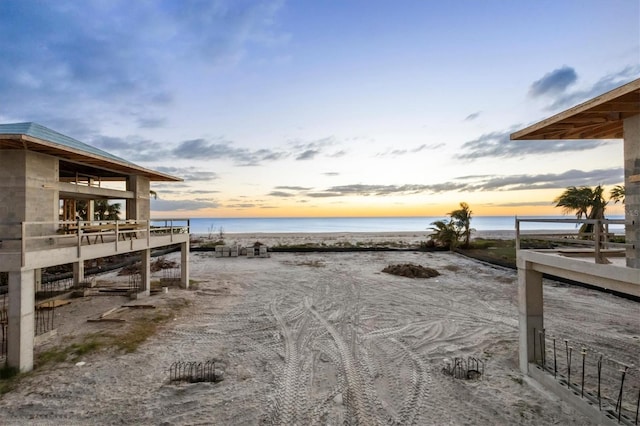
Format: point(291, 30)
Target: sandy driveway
point(329, 339)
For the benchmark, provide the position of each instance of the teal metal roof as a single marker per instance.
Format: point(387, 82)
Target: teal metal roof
point(47, 141)
point(36, 130)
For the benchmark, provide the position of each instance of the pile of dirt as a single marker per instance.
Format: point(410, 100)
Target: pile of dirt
point(411, 271)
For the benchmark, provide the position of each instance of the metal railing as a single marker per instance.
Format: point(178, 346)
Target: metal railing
point(596, 234)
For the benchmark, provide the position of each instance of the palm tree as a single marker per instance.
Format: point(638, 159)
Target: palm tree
point(584, 201)
point(617, 194)
point(105, 211)
point(575, 200)
point(462, 220)
point(445, 233)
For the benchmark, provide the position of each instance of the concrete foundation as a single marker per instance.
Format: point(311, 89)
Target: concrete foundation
point(78, 273)
point(530, 305)
point(572, 398)
point(184, 264)
point(145, 273)
point(21, 316)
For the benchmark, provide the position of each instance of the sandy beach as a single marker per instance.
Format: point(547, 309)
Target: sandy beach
point(323, 338)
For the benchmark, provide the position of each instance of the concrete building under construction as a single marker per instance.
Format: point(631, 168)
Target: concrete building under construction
point(44, 176)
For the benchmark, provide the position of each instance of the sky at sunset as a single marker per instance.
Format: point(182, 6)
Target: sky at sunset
point(326, 108)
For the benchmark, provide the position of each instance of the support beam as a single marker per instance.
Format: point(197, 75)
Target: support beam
point(38, 279)
point(145, 273)
point(78, 273)
point(21, 314)
point(530, 308)
point(632, 189)
point(184, 264)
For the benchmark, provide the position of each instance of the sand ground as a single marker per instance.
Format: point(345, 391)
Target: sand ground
point(325, 338)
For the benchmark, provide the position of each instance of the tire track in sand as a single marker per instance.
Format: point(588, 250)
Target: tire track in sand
point(356, 393)
point(287, 401)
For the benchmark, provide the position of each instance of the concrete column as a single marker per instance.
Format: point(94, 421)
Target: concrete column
point(138, 207)
point(78, 273)
point(21, 314)
point(184, 265)
point(91, 210)
point(38, 280)
point(530, 308)
point(145, 273)
point(632, 189)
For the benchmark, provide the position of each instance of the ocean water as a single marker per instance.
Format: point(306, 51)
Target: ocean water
point(365, 224)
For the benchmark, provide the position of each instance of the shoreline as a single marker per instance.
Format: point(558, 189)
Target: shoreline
point(405, 238)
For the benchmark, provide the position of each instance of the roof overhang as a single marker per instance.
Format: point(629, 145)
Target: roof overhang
point(598, 118)
point(21, 141)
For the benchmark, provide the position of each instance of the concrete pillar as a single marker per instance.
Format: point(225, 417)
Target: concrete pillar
point(38, 280)
point(91, 210)
point(21, 313)
point(632, 189)
point(184, 265)
point(78, 273)
point(138, 208)
point(530, 308)
point(145, 273)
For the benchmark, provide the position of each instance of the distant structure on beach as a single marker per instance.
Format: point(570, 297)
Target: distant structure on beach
point(613, 115)
point(43, 175)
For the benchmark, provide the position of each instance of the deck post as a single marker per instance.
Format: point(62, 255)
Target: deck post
point(632, 189)
point(184, 264)
point(21, 313)
point(78, 273)
point(38, 279)
point(145, 273)
point(530, 308)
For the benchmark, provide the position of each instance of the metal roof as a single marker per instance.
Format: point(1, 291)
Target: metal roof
point(598, 118)
point(35, 137)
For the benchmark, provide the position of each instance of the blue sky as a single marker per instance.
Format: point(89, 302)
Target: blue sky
point(315, 108)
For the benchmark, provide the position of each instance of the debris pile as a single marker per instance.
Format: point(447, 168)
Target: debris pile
point(411, 271)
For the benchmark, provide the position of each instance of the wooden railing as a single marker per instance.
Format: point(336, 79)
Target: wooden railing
point(600, 239)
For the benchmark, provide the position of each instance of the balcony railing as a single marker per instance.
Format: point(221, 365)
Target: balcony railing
point(603, 239)
point(27, 237)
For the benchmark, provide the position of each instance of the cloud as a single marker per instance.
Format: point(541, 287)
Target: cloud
point(293, 188)
point(603, 85)
point(552, 180)
point(132, 148)
point(151, 122)
point(308, 154)
point(554, 82)
point(182, 205)
point(188, 173)
point(281, 194)
point(498, 145)
point(473, 116)
point(202, 149)
point(395, 152)
point(522, 204)
point(308, 150)
point(481, 183)
point(60, 57)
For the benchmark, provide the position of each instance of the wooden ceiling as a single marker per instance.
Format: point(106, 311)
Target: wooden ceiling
point(100, 165)
point(598, 118)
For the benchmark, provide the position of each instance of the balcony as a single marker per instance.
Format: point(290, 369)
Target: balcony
point(29, 245)
point(596, 258)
